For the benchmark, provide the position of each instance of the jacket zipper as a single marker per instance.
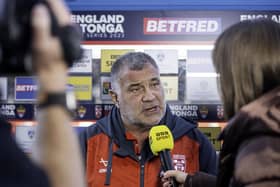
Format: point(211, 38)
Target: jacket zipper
point(142, 168)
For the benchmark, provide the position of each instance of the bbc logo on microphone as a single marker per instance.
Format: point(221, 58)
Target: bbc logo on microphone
point(162, 135)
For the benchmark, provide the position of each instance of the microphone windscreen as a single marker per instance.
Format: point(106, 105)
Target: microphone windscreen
point(160, 138)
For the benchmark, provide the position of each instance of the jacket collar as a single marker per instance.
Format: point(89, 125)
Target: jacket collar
point(112, 126)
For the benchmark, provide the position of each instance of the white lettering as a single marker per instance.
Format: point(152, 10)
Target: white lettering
point(212, 26)
point(184, 107)
point(191, 26)
point(104, 18)
point(244, 17)
point(151, 26)
point(162, 26)
point(95, 24)
point(8, 110)
point(8, 107)
point(172, 25)
point(275, 18)
point(181, 25)
point(102, 28)
point(185, 113)
point(24, 88)
point(202, 26)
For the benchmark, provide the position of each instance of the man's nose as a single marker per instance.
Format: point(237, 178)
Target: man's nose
point(148, 95)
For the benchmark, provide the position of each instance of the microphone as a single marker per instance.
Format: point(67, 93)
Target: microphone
point(161, 142)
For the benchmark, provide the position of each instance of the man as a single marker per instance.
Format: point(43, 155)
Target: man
point(116, 148)
point(57, 160)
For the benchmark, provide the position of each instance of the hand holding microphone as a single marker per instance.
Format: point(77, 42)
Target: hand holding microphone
point(161, 142)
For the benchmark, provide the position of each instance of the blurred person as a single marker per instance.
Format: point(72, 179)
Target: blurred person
point(57, 161)
point(248, 60)
point(247, 57)
point(116, 149)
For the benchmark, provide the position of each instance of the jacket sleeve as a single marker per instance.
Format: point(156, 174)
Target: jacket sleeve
point(207, 155)
point(200, 179)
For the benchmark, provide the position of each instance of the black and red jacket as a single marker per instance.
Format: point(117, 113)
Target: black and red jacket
point(111, 159)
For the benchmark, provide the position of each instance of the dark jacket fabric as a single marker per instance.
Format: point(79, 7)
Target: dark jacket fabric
point(16, 169)
point(200, 179)
point(250, 155)
point(111, 159)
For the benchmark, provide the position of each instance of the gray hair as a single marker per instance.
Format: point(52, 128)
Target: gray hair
point(132, 61)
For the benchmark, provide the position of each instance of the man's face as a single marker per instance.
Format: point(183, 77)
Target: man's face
point(141, 97)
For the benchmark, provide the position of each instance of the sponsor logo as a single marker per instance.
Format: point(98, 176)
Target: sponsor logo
point(203, 110)
point(26, 88)
point(81, 111)
point(273, 17)
point(183, 26)
point(106, 87)
point(220, 111)
point(84, 65)
point(170, 86)
point(107, 109)
point(109, 56)
point(101, 26)
point(35, 110)
point(104, 164)
point(20, 111)
point(179, 162)
point(31, 133)
point(98, 111)
point(160, 57)
point(82, 86)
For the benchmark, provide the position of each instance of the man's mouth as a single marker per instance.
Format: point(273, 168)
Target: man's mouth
point(152, 109)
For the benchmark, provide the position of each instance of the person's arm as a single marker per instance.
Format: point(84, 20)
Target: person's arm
point(198, 179)
point(56, 150)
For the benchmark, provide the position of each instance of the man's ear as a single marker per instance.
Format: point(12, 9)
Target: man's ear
point(114, 97)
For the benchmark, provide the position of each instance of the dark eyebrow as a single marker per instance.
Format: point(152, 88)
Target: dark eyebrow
point(138, 84)
point(134, 84)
